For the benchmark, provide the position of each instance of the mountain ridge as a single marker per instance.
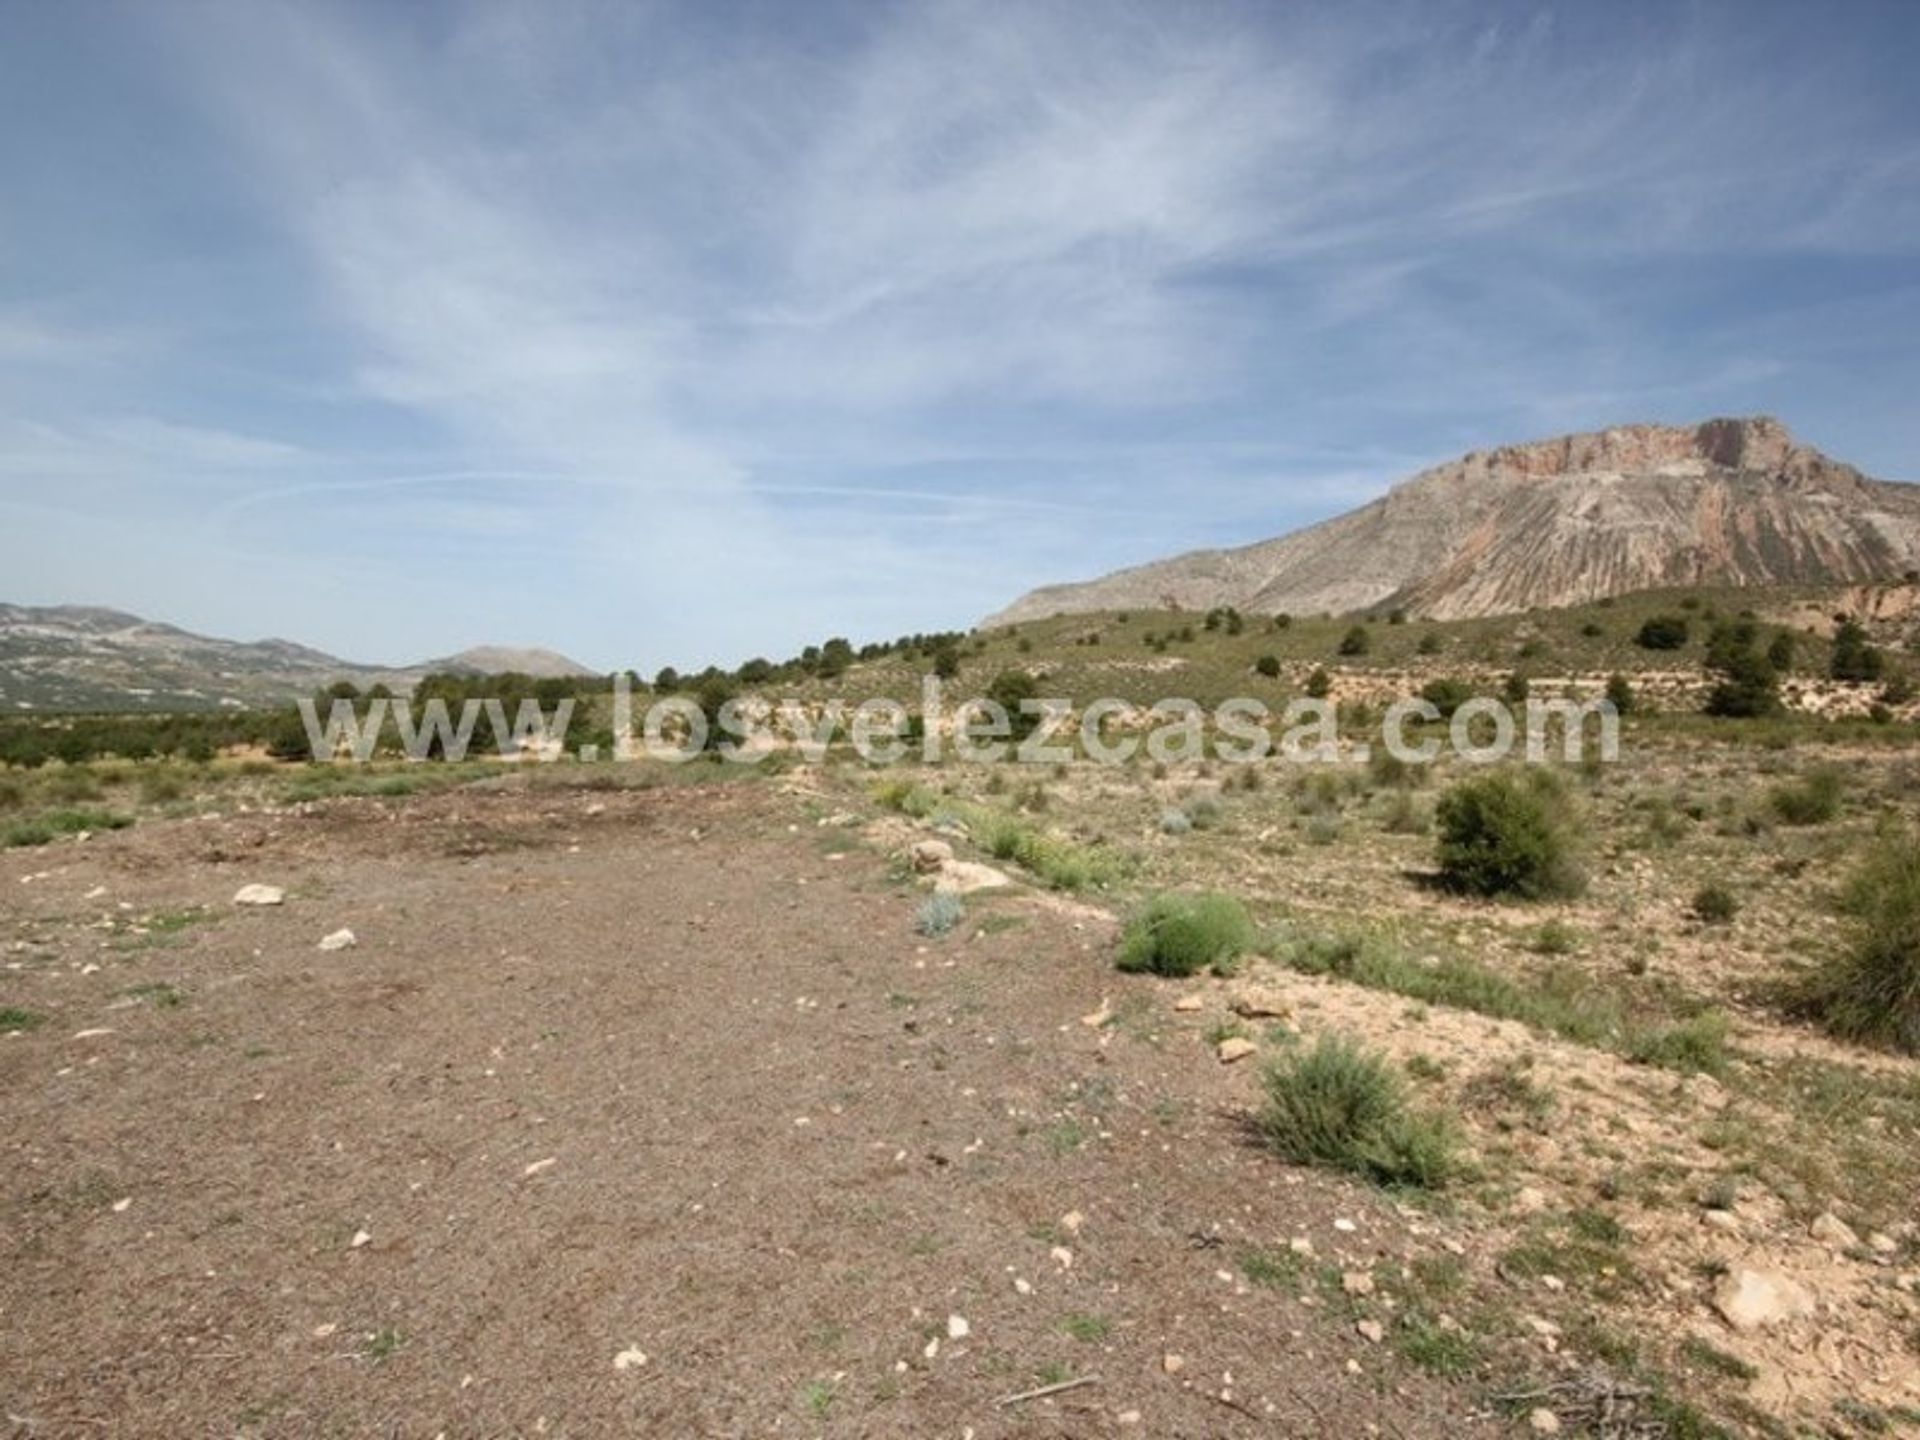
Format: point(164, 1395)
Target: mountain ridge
point(1548, 523)
point(90, 657)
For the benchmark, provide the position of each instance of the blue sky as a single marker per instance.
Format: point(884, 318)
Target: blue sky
point(676, 333)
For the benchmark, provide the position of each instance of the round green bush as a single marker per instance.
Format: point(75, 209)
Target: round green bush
point(1507, 835)
point(1185, 934)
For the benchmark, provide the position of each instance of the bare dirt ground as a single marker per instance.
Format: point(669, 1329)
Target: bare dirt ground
point(633, 1113)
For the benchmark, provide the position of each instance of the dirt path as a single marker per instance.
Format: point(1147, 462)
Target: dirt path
point(608, 1076)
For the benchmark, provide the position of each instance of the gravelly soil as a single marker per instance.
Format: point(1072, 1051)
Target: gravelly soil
point(664, 1073)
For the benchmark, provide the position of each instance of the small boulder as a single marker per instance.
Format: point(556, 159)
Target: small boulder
point(1831, 1230)
point(1235, 1047)
point(259, 895)
point(930, 856)
point(1261, 1005)
point(1187, 1004)
point(1543, 1422)
point(963, 877)
point(1749, 1299)
point(338, 940)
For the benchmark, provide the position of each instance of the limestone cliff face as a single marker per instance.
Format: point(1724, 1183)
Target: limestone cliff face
point(1555, 522)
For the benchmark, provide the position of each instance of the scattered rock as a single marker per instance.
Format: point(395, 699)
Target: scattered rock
point(1722, 1220)
point(1543, 1422)
point(632, 1358)
point(1357, 1282)
point(929, 857)
point(1173, 1364)
point(958, 1328)
point(1261, 1005)
point(1072, 1221)
point(339, 940)
point(1187, 1004)
point(259, 895)
point(1530, 1200)
point(1372, 1331)
point(1705, 1090)
point(1235, 1047)
point(1831, 1230)
point(963, 877)
point(1098, 1017)
point(537, 1166)
point(1882, 1244)
point(360, 1240)
point(1749, 1299)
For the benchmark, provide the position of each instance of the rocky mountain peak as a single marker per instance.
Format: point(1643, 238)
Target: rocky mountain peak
point(1729, 501)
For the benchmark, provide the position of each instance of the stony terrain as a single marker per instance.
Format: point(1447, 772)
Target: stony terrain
point(580, 1097)
point(1552, 523)
point(630, 1112)
point(809, 1098)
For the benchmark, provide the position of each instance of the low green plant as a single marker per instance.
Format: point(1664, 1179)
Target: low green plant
point(1184, 934)
point(1507, 835)
point(1204, 811)
point(54, 823)
point(1345, 1107)
point(1406, 816)
point(1871, 991)
point(939, 915)
point(1693, 1046)
point(1556, 937)
point(1437, 1349)
point(1087, 1328)
point(1814, 799)
point(1664, 632)
point(1715, 904)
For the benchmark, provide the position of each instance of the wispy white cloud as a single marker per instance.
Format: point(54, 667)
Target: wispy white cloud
point(861, 319)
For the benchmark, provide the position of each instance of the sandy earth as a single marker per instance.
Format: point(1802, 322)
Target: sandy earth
point(629, 1113)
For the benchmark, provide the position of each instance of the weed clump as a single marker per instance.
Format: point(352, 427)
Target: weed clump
point(1184, 934)
point(1345, 1107)
point(1690, 1047)
point(1507, 835)
point(1872, 992)
point(1813, 800)
point(938, 915)
point(1715, 904)
point(55, 823)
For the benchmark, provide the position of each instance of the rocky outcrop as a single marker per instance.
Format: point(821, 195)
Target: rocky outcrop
point(1555, 522)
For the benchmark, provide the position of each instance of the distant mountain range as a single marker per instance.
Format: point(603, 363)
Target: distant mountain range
point(79, 658)
point(1552, 523)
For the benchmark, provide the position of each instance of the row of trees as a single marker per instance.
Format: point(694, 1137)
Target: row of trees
point(30, 742)
point(825, 661)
